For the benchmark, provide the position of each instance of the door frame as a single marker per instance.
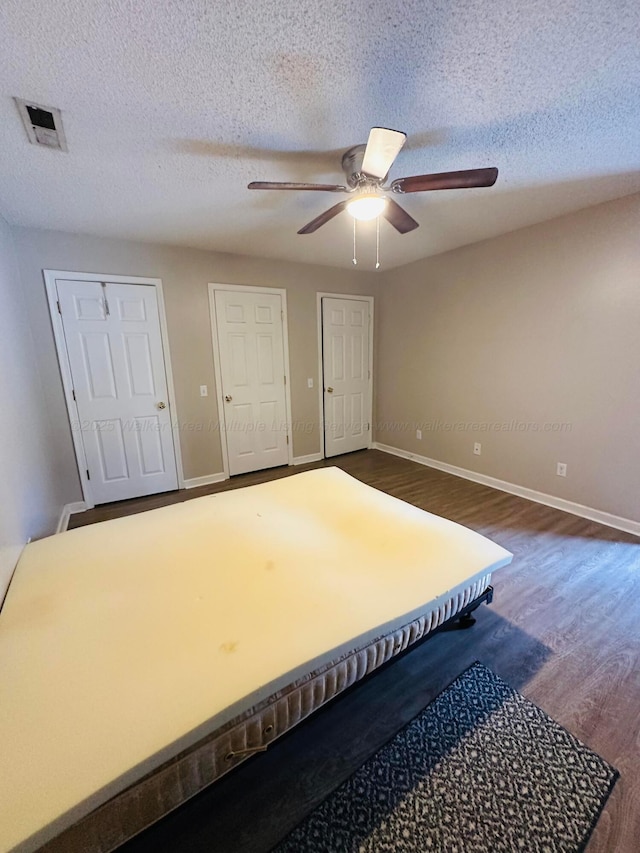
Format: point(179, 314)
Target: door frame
point(50, 277)
point(360, 298)
point(248, 288)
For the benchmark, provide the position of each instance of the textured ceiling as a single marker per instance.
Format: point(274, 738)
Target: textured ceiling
point(171, 107)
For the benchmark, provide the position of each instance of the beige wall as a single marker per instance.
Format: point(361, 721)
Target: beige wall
point(32, 495)
point(538, 326)
point(185, 274)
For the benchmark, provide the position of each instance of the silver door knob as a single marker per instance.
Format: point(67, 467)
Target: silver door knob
point(329, 390)
point(162, 405)
point(228, 398)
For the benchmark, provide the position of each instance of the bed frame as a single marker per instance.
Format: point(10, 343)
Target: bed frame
point(189, 772)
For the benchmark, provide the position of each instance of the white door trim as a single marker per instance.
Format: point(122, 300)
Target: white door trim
point(248, 288)
point(50, 277)
point(369, 299)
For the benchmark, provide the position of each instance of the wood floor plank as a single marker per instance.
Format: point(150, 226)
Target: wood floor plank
point(564, 629)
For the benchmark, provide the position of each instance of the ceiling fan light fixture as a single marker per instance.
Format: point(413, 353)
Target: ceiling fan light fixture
point(367, 206)
point(366, 168)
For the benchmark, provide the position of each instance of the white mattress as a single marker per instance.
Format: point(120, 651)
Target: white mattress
point(123, 642)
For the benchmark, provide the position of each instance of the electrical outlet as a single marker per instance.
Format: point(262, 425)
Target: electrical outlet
point(477, 448)
point(561, 469)
point(309, 383)
point(419, 434)
point(204, 391)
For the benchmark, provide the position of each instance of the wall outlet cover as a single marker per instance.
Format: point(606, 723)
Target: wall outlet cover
point(477, 448)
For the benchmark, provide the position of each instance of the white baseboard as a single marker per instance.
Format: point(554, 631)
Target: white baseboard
point(207, 480)
point(628, 525)
point(305, 460)
point(67, 511)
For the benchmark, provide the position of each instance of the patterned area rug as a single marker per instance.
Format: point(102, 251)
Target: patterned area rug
point(480, 769)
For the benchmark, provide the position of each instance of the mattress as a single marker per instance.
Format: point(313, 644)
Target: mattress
point(126, 643)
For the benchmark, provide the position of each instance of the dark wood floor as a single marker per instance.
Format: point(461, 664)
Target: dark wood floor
point(564, 629)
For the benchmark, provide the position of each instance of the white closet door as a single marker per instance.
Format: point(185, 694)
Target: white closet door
point(345, 351)
point(113, 340)
point(250, 339)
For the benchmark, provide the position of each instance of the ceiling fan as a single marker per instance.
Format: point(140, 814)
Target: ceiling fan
point(366, 168)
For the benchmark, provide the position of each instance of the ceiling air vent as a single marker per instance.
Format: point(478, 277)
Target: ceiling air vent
point(43, 124)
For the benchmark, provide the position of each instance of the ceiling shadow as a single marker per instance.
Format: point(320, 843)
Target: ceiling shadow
point(302, 163)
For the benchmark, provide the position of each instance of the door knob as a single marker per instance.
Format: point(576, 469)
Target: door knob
point(162, 405)
point(329, 390)
point(228, 398)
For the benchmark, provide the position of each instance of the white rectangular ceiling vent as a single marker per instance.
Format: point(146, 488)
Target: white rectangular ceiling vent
point(43, 124)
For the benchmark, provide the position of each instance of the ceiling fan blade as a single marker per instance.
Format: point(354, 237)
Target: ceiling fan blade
point(399, 217)
point(382, 149)
point(446, 181)
point(312, 226)
point(279, 185)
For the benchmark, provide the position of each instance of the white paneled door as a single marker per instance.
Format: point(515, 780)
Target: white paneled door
point(345, 356)
point(252, 366)
point(114, 345)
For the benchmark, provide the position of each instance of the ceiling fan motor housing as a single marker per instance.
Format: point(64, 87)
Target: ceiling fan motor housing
point(352, 165)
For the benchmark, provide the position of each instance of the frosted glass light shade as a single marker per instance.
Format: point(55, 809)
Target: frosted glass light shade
point(366, 206)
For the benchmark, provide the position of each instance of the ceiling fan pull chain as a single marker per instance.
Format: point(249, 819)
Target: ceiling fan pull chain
point(355, 260)
point(377, 242)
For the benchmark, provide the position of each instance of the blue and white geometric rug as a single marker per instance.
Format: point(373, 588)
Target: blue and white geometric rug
point(480, 769)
